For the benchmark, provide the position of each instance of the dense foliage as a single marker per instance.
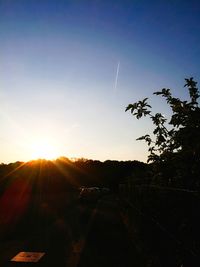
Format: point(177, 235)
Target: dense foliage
point(174, 147)
point(64, 174)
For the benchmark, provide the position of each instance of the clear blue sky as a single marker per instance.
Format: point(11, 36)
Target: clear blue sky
point(59, 61)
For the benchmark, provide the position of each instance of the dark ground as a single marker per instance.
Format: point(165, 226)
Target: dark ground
point(91, 234)
point(88, 234)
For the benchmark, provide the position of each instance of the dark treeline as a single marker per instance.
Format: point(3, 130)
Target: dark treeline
point(42, 190)
point(63, 173)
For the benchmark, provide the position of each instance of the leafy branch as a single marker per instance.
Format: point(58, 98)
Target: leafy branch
point(184, 124)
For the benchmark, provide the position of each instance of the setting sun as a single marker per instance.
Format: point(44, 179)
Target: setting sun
point(43, 149)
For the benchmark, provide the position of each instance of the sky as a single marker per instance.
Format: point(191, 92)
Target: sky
point(68, 69)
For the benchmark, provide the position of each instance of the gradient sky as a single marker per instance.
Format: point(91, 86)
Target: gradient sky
point(58, 66)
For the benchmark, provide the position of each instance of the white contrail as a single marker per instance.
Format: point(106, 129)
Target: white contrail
point(117, 74)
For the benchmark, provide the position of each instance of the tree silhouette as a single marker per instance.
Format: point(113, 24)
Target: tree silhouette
point(175, 144)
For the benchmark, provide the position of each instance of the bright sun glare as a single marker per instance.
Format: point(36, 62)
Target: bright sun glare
point(43, 149)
